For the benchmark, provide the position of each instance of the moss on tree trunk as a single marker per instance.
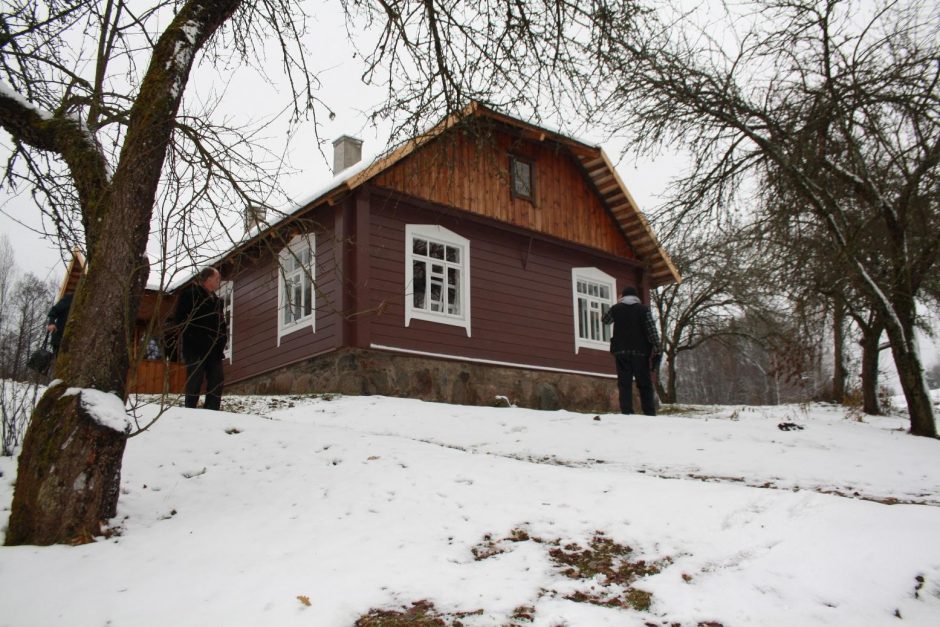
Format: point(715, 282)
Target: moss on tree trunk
point(69, 474)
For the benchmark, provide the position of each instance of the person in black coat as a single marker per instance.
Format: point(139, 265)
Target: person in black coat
point(56, 319)
point(636, 349)
point(200, 317)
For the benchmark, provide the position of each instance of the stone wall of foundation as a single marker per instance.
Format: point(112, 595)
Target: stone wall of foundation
point(364, 372)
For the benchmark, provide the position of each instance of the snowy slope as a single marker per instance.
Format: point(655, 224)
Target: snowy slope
point(363, 503)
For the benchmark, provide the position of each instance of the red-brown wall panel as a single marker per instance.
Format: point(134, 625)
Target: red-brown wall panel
point(521, 292)
point(255, 344)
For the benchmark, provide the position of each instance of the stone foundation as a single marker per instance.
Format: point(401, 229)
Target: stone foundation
point(364, 372)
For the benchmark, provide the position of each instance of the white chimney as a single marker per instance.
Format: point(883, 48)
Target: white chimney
point(347, 151)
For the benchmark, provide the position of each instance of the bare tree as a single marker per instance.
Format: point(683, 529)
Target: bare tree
point(92, 120)
point(92, 97)
point(826, 96)
point(7, 277)
point(716, 288)
point(23, 304)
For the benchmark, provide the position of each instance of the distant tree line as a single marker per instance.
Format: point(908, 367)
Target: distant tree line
point(24, 302)
point(817, 126)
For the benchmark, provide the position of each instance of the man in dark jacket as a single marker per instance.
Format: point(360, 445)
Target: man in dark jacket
point(636, 349)
point(200, 315)
point(56, 319)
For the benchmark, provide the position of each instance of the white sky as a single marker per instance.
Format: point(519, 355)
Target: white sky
point(249, 98)
point(373, 502)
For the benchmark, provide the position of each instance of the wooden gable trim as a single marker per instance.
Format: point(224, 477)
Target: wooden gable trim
point(632, 221)
point(395, 195)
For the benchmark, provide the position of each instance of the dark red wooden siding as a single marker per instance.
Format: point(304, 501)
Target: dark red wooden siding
point(521, 292)
point(255, 279)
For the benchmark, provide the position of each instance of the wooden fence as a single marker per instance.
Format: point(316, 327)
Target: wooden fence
point(157, 377)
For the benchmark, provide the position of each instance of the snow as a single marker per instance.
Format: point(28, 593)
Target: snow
point(358, 503)
point(185, 275)
point(103, 407)
point(106, 409)
point(8, 92)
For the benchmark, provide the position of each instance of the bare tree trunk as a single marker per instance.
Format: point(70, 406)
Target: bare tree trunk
point(871, 348)
point(667, 393)
point(910, 371)
point(70, 469)
point(838, 351)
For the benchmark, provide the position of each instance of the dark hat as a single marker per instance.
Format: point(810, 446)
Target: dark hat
point(629, 291)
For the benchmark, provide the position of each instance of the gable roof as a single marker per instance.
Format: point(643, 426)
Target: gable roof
point(593, 159)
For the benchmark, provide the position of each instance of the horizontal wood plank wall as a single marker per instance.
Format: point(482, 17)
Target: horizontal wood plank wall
point(521, 294)
point(255, 345)
point(470, 171)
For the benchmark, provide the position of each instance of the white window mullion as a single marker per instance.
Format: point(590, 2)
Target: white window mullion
point(296, 283)
point(227, 294)
point(437, 276)
point(592, 294)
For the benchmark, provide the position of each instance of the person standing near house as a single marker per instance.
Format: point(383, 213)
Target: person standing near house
point(636, 349)
point(56, 319)
point(200, 317)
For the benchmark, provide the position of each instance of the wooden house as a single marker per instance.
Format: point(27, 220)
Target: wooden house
point(150, 371)
point(471, 265)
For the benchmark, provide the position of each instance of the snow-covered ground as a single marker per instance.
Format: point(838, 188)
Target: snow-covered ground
point(317, 511)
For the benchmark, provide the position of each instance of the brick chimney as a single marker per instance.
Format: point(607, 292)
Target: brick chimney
point(347, 151)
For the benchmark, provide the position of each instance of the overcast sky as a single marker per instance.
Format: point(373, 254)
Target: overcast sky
point(251, 99)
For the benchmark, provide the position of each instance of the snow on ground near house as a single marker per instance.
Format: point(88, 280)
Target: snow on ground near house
point(358, 503)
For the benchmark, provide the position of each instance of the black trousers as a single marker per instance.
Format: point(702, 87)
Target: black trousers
point(630, 367)
point(208, 369)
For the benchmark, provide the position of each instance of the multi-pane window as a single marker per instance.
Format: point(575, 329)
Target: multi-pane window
point(436, 269)
point(226, 293)
point(296, 285)
point(437, 276)
point(593, 296)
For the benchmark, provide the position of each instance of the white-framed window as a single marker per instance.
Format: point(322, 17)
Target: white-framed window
point(593, 294)
point(296, 299)
point(437, 276)
point(227, 294)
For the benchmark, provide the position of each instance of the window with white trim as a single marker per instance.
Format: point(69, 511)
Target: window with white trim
point(437, 276)
point(593, 294)
point(227, 294)
point(296, 286)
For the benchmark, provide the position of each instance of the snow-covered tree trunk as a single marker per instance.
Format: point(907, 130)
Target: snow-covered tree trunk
point(900, 330)
point(667, 393)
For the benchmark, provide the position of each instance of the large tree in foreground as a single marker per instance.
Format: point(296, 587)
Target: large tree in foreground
point(95, 145)
point(91, 94)
point(835, 101)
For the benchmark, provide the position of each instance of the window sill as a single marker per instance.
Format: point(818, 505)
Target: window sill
point(453, 321)
point(592, 345)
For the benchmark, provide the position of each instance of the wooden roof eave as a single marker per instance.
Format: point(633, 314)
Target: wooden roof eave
point(632, 222)
point(73, 274)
